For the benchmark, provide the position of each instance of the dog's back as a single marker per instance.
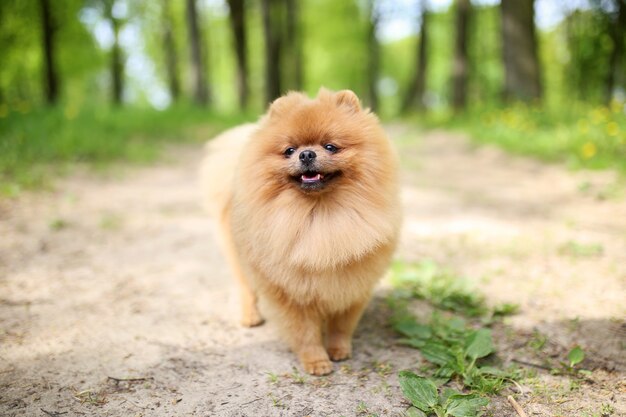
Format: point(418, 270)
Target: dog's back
point(217, 171)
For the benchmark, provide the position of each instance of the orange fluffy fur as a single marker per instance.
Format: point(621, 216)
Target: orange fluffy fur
point(315, 255)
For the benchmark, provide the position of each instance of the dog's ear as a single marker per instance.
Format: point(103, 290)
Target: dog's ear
point(347, 98)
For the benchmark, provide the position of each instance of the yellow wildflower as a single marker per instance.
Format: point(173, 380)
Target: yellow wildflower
point(588, 150)
point(583, 126)
point(612, 129)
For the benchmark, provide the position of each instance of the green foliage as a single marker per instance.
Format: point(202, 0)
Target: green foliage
point(33, 144)
point(589, 46)
point(334, 38)
point(78, 58)
point(582, 136)
point(486, 75)
point(427, 281)
point(456, 350)
point(575, 356)
point(581, 250)
point(427, 400)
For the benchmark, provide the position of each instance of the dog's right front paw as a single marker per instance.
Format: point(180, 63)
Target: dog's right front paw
point(318, 367)
point(251, 318)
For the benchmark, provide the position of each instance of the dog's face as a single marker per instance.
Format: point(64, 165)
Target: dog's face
point(314, 163)
point(317, 145)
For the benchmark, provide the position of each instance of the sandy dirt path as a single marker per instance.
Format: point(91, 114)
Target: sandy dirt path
point(120, 277)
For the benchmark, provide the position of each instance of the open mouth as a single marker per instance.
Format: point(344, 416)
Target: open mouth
point(314, 180)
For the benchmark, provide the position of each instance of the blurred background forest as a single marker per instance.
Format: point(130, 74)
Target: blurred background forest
point(101, 80)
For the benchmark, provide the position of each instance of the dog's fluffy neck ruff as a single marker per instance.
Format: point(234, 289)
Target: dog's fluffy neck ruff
point(321, 233)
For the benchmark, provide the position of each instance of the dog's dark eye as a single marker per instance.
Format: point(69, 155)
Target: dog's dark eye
point(331, 148)
point(289, 151)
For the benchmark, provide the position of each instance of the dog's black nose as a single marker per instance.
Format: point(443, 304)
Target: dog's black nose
point(307, 156)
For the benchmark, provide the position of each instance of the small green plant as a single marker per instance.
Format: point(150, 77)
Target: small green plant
point(456, 351)
point(59, 224)
point(607, 410)
point(575, 356)
point(581, 250)
point(297, 377)
point(444, 290)
point(361, 408)
point(272, 377)
point(427, 400)
point(537, 341)
point(427, 281)
point(276, 402)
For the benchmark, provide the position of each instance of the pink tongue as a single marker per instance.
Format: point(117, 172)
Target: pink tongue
point(314, 178)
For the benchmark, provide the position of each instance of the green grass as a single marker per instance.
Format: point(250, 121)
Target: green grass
point(36, 145)
point(579, 135)
point(456, 342)
point(444, 290)
point(463, 369)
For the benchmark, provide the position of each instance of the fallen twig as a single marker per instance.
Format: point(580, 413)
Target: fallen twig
point(516, 406)
point(53, 413)
point(118, 380)
point(534, 365)
point(250, 402)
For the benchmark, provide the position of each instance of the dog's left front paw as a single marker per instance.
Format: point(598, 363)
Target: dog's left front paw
point(339, 353)
point(318, 367)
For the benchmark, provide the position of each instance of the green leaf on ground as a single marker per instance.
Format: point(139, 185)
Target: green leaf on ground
point(437, 353)
point(419, 390)
point(575, 356)
point(460, 405)
point(414, 412)
point(479, 344)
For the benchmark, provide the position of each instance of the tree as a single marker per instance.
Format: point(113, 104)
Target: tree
point(617, 32)
point(272, 25)
point(460, 68)
point(117, 59)
point(373, 64)
point(293, 45)
point(171, 55)
point(51, 79)
point(198, 77)
point(238, 26)
point(417, 87)
point(519, 47)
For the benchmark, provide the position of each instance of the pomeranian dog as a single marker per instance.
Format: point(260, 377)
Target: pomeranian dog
point(307, 204)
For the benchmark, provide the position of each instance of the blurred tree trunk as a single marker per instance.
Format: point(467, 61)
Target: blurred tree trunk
point(51, 80)
point(373, 65)
point(198, 76)
point(417, 87)
point(460, 67)
point(272, 19)
point(293, 44)
point(171, 55)
point(617, 32)
point(522, 78)
point(238, 26)
point(117, 60)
